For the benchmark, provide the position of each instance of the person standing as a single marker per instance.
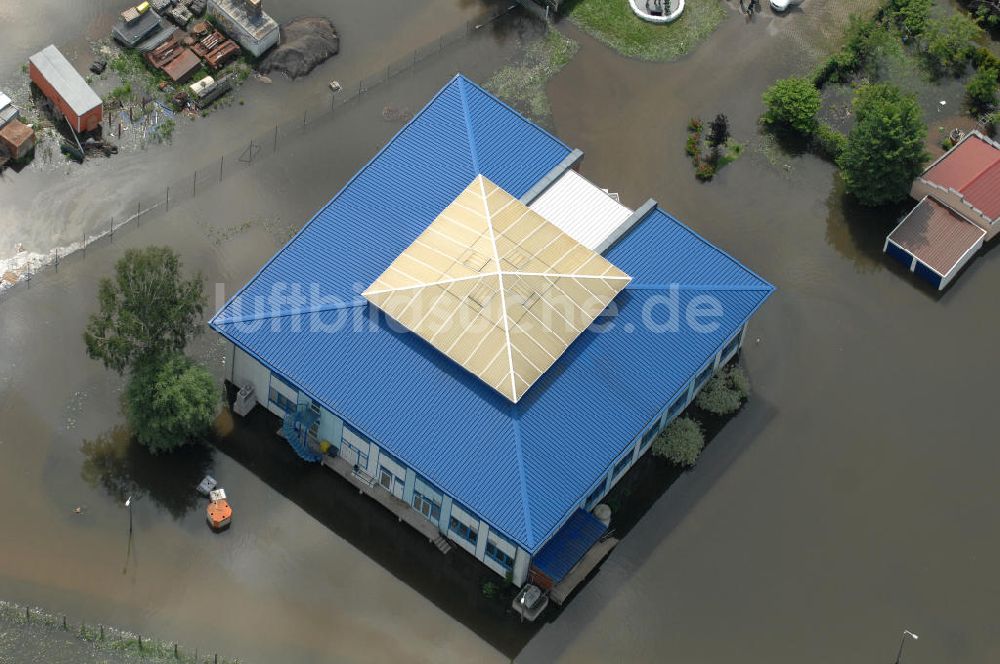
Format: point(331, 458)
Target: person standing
point(743, 9)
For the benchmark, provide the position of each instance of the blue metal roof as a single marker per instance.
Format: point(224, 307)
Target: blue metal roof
point(525, 467)
point(568, 546)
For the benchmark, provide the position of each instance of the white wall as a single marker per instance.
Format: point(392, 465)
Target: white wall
point(248, 370)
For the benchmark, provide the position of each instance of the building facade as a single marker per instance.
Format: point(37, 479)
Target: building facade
point(69, 93)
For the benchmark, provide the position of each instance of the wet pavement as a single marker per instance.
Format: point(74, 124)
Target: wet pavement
point(853, 497)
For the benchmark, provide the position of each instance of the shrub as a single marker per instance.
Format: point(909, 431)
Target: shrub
point(982, 88)
point(885, 149)
point(792, 103)
point(681, 442)
point(692, 145)
point(695, 125)
point(950, 42)
point(490, 589)
point(705, 171)
point(170, 401)
point(725, 392)
point(830, 143)
point(912, 15)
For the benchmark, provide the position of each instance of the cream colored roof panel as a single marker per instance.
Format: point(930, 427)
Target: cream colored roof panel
point(497, 288)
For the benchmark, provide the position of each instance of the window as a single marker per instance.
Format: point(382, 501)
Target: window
point(621, 465)
point(648, 437)
point(281, 401)
point(468, 533)
point(703, 376)
point(677, 406)
point(426, 506)
point(499, 556)
point(385, 479)
point(596, 494)
point(730, 348)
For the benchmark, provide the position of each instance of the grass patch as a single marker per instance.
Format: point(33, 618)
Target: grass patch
point(523, 84)
point(612, 22)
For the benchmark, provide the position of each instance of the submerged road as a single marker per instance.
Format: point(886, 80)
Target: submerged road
point(852, 498)
point(856, 494)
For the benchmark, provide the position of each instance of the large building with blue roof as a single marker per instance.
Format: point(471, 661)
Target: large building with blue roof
point(505, 465)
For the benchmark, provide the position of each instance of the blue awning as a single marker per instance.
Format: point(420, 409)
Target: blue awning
point(568, 546)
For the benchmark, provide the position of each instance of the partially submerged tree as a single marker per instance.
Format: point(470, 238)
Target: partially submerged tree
point(147, 309)
point(885, 148)
point(982, 88)
point(681, 442)
point(792, 103)
point(170, 401)
point(718, 132)
point(950, 42)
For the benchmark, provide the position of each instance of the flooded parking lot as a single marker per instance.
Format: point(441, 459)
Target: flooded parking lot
point(853, 497)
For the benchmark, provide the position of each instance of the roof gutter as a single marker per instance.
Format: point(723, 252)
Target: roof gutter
point(623, 228)
point(567, 163)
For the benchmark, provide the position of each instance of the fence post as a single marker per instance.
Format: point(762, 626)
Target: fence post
point(304, 113)
point(64, 623)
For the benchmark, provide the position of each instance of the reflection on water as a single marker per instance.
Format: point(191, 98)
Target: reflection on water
point(858, 232)
point(116, 462)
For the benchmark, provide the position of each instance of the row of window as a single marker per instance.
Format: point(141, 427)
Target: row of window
point(427, 506)
point(466, 532)
point(495, 554)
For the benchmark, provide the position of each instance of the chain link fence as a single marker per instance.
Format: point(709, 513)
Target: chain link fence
point(262, 146)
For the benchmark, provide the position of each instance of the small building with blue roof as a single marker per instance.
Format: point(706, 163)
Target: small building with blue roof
point(503, 436)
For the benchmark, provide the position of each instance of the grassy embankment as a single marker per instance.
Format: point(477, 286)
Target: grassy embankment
point(612, 22)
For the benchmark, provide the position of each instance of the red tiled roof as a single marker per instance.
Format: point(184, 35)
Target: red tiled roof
point(973, 169)
point(984, 191)
point(963, 163)
point(936, 235)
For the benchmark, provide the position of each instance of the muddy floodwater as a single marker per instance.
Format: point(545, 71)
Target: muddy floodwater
point(853, 497)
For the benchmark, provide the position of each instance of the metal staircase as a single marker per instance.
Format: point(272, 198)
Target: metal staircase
point(295, 427)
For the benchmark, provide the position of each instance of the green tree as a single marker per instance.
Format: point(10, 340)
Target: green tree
point(885, 148)
point(950, 42)
point(170, 401)
point(792, 103)
point(725, 392)
point(681, 442)
point(913, 15)
point(982, 88)
point(148, 308)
